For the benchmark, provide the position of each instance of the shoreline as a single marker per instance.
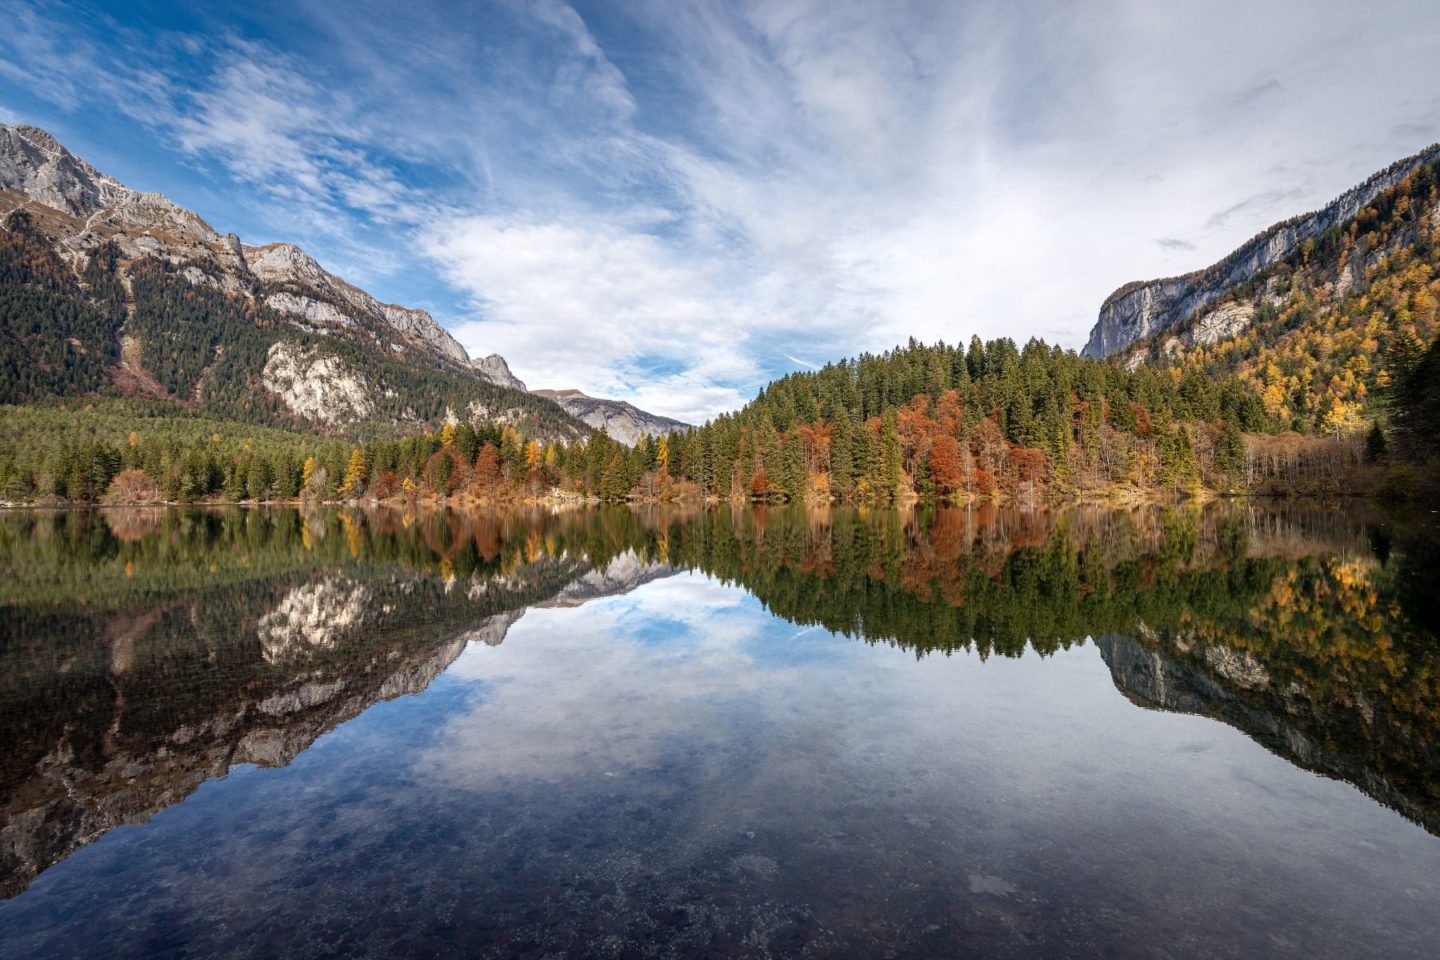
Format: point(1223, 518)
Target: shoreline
point(462, 503)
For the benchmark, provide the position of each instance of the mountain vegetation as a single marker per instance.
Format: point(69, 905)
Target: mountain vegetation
point(992, 419)
point(1320, 334)
point(930, 423)
point(202, 348)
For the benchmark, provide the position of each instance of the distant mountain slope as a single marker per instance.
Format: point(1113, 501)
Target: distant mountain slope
point(1143, 309)
point(623, 421)
point(106, 289)
point(1317, 330)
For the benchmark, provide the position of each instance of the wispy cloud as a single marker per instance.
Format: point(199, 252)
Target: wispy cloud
point(803, 363)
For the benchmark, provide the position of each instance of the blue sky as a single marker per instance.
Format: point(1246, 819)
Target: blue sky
point(673, 202)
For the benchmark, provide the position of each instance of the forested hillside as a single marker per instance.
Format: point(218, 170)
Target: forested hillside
point(211, 352)
point(1317, 335)
point(992, 419)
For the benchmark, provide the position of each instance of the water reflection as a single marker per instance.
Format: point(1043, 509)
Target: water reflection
point(145, 652)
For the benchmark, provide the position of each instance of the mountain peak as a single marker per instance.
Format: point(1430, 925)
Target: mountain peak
point(281, 262)
point(39, 137)
point(35, 166)
point(497, 371)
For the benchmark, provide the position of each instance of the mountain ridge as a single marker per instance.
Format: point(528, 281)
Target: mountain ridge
point(1322, 332)
point(83, 212)
point(36, 167)
point(1140, 309)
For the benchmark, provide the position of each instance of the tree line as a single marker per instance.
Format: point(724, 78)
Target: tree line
point(920, 422)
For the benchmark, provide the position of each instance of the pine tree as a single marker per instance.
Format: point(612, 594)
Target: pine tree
point(842, 457)
point(891, 456)
point(1230, 450)
point(1375, 444)
point(613, 482)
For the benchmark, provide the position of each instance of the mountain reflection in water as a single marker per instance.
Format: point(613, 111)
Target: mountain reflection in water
point(144, 653)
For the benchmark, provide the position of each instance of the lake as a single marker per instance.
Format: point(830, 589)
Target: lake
point(1155, 733)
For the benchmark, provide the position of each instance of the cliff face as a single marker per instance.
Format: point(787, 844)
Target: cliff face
point(1142, 309)
point(321, 297)
point(33, 164)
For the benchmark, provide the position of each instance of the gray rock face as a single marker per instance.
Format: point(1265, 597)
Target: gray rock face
point(1223, 322)
point(622, 421)
point(497, 371)
point(1139, 310)
point(317, 386)
point(336, 302)
point(83, 208)
point(33, 164)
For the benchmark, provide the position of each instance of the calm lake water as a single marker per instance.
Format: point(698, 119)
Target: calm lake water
point(732, 733)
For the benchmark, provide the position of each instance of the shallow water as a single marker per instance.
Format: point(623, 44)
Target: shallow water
point(1203, 733)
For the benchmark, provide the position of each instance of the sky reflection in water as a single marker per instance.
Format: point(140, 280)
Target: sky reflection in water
point(670, 769)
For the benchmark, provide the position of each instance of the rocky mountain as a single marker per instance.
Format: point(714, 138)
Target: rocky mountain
point(301, 288)
point(623, 421)
point(497, 371)
point(114, 290)
point(1143, 309)
point(623, 574)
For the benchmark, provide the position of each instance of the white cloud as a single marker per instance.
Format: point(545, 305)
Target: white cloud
point(597, 306)
point(637, 693)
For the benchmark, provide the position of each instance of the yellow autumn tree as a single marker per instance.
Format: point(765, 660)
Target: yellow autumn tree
point(1274, 398)
point(355, 472)
point(1342, 418)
